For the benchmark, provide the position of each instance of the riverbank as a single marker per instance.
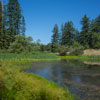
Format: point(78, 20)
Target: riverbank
point(45, 56)
point(29, 56)
point(82, 57)
point(18, 85)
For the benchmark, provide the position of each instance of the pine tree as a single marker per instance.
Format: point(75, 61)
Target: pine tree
point(55, 38)
point(95, 33)
point(62, 34)
point(1, 27)
point(84, 34)
point(95, 25)
point(14, 17)
point(23, 26)
point(6, 35)
point(67, 37)
point(76, 35)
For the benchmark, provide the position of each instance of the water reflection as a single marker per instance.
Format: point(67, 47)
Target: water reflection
point(82, 79)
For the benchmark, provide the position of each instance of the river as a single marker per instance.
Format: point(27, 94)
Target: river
point(82, 78)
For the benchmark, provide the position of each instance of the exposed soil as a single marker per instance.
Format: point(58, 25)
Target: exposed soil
point(92, 52)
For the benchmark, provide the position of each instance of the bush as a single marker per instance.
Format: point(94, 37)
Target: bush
point(3, 51)
point(62, 50)
point(76, 51)
point(21, 44)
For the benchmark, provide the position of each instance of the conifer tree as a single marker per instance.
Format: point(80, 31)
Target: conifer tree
point(84, 34)
point(67, 38)
point(14, 17)
point(55, 38)
point(95, 26)
point(95, 33)
point(23, 26)
point(62, 34)
point(6, 35)
point(1, 25)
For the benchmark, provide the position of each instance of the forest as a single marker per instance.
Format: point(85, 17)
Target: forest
point(13, 39)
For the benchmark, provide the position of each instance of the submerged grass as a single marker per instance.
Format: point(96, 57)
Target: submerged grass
point(18, 85)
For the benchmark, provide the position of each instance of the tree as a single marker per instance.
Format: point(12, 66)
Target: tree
point(62, 34)
point(95, 33)
point(1, 26)
point(6, 35)
point(76, 35)
point(96, 41)
point(55, 38)
point(84, 34)
point(95, 25)
point(67, 36)
point(14, 18)
point(23, 25)
point(21, 44)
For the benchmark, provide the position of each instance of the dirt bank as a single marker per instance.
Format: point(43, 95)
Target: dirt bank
point(92, 52)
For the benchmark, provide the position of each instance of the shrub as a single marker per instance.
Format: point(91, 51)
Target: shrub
point(21, 44)
point(76, 51)
point(62, 50)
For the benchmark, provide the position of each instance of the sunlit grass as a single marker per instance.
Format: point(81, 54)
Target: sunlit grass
point(82, 57)
point(18, 85)
point(28, 56)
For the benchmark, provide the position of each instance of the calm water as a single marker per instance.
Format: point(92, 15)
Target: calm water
point(81, 78)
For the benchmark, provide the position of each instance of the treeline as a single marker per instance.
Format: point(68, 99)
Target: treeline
point(65, 40)
point(12, 23)
point(88, 37)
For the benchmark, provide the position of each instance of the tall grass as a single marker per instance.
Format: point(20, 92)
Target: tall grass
point(28, 56)
point(18, 85)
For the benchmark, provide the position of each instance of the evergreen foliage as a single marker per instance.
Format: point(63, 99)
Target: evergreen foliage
point(12, 23)
point(84, 34)
point(1, 24)
point(88, 37)
point(67, 36)
point(55, 38)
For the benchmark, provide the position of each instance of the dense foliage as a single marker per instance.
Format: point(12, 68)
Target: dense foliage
point(12, 23)
point(70, 37)
point(64, 41)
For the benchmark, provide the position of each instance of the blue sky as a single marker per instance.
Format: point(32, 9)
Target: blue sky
point(42, 15)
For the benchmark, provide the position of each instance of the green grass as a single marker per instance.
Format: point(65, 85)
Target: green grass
point(18, 85)
point(96, 58)
point(28, 56)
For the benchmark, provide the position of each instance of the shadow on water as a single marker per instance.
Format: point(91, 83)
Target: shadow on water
point(82, 78)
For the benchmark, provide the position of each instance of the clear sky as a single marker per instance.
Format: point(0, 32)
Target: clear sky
point(42, 15)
